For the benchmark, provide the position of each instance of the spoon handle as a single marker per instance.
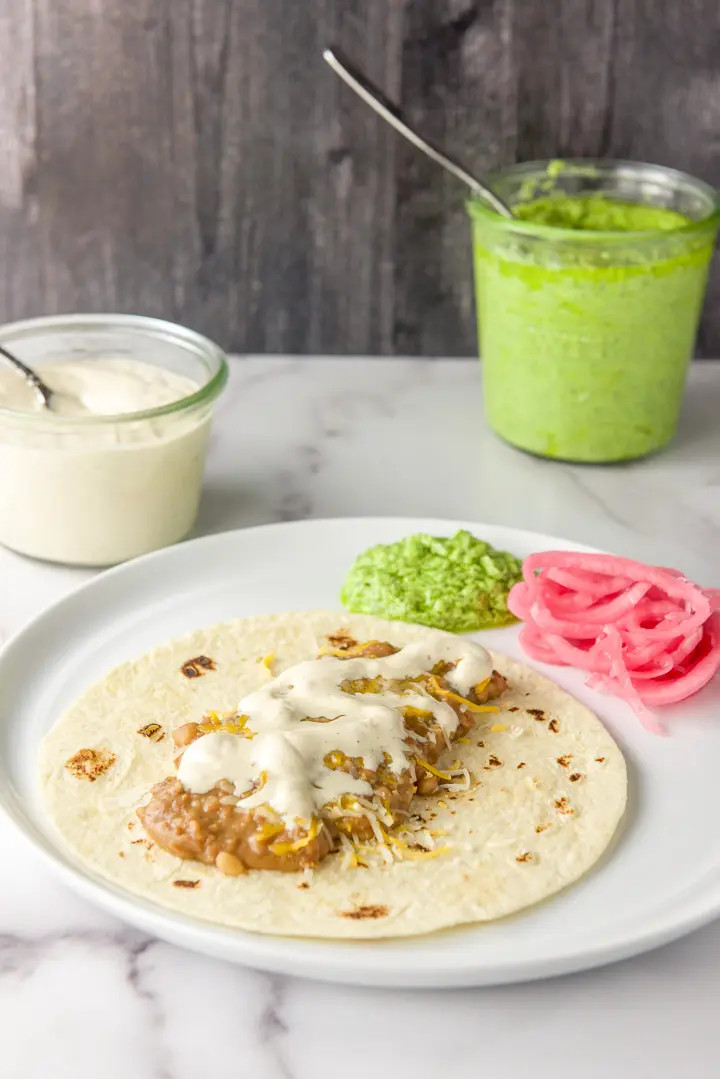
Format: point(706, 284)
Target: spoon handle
point(377, 100)
point(43, 391)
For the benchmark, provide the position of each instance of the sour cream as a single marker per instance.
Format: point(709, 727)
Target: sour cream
point(92, 481)
point(290, 750)
point(106, 386)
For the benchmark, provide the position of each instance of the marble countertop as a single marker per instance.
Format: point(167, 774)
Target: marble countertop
point(82, 996)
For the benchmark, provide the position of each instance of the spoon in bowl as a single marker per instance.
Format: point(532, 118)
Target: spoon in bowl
point(390, 112)
point(40, 388)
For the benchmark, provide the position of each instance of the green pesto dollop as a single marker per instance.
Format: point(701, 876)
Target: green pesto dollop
point(459, 584)
point(595, 213)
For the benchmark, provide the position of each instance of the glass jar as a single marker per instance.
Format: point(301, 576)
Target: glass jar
point(585, 335)
point(95, 490)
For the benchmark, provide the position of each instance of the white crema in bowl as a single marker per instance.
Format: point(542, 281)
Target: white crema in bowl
point(113, 470)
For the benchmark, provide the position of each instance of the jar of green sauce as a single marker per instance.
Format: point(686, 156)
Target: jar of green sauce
point(588, 304)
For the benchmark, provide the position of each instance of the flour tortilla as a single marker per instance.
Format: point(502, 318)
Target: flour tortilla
point(488, 829)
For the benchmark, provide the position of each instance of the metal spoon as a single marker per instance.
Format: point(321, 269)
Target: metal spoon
point(41, 388)
point(390, 112)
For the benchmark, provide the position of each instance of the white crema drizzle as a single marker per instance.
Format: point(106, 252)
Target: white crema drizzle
point(290, 748)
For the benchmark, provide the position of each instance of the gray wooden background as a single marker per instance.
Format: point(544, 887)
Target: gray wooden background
point(196, 159)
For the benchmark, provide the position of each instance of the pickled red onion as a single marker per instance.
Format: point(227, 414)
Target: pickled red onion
point(643, 633)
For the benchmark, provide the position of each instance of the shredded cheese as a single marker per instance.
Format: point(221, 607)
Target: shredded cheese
point(403, 851)
point(435, 686)
point(298, 844)
point(435, 771)
point(381, 836)
point(418, 855)
point(416, 713)
point(229, 723)
point(350, 860)
point(465, 785)
point(268, 830)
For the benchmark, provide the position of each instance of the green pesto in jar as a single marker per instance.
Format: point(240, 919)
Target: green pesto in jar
point(585, 342)
point(597, 214)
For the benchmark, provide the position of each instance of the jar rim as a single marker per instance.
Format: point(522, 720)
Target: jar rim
point(143, 325)
point(664, 174)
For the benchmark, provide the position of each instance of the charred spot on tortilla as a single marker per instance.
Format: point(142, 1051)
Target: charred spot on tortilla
point(575, 777)
point(553, 726)
point(524, 857)
point(90, 764)
point(537, 713)
point(493, 762)
point(521, 764)
point(197, 666)
point(541, 828)
point(153, 731)
point(564, 761)
point(303, 884)
point(367, 911)
point(514, 708)
point(563, 806)
point(362, 650)
point(341, 640)
point(185, 883)
point(600, 759)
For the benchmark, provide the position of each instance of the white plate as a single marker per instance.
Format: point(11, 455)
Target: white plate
point(661, 879)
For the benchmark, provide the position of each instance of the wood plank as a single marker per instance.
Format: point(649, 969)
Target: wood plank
point(195, 159)
point(564, 65)
point(665, 105)
point(458, 87)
